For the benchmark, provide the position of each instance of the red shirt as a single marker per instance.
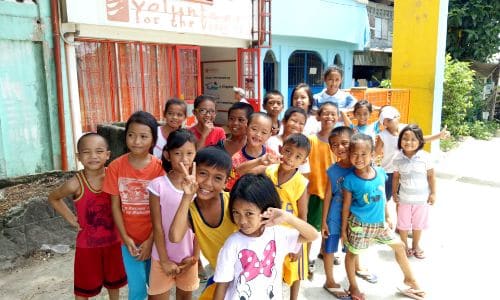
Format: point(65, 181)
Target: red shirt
point(217, 134)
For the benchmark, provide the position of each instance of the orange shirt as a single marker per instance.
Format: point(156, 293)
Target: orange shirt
point(320, 159)
point(131, 185)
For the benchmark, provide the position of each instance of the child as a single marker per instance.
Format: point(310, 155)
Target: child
point(204, 130)
point(363, 214)
point(237, 122)
point(293, 122)
point(127, 179)
point(249, 265)
point(362, 112)
point(333, 79)
point(291, 186)
point(204, 205)
point(255, 156)
point(413, 187)
point(302, 97)
point(172, 263)
point(98, 258)
point(320, 158)
point(175, 114)
point(273, 104)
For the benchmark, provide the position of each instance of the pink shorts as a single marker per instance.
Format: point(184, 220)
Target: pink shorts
point(160, 283)
point(413, 216)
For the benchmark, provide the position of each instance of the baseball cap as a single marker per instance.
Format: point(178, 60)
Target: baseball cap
point(388, 112)
point(239, 91)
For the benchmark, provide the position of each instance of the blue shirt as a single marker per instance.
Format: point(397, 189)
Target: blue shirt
point(368, 196)
point(342, 99)
point(372, 129)
point(336, 175)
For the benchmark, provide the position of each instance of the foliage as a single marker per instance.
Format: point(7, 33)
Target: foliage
point(386, 84)
point(448, 144)
point(457, 95)
point(478, 104)
point(473, 29)
point(483, 130)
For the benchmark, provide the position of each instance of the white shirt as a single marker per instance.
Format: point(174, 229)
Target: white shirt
point(390, 149)
point(160, 143)
point(413, 183)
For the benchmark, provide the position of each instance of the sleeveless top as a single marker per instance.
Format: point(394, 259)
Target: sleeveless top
point(93, 210)
point(210, 238)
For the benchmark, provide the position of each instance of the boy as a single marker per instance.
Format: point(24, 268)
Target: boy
point(98, 256)
point(273, 104)
point(291, 186)
point(237, 122)
point(365, 214)
point(206, 214)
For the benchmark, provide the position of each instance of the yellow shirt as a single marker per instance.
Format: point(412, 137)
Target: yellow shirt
point(320, 159)
point(210, 238)
point(289, 191)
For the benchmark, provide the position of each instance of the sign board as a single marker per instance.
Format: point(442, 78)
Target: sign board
point(219, 78)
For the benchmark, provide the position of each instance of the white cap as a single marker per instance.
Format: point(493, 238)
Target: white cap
point(239, 91)
point(388, 112)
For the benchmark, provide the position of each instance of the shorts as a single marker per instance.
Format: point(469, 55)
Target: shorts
point(315, 212)
point(388, 186)
point(332, 243)
point(160, 283)
point(413, 216)
point(296, 270)
point(361, 235)
point(98, 267)
point(137, 274)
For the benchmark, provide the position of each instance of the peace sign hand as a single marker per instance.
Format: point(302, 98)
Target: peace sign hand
point(189, 184)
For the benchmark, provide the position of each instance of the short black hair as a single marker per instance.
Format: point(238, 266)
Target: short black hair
point(254, 188)
point(214, 157)
point(243, 106)
point(362, 103)
point(322, 106)
point(202, 98)
point(418, 134)
point(176, 139)
point(291, 110)
point(89, 134)
point(298, 140)
point(272, 93)
point(333, 69)
point(309, 93)
point(174, 101)
point(144, 118)
point(259, 114)
point(340, 131)
point(361, 137)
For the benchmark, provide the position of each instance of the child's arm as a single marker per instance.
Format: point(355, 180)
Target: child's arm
point(258, 165)
point(432, 186)
point(346, 119)
point(395, 186)
point(274, 216)
point(303, 205)
point(443, 134)
point(220, 290)
point(346, 207)
point(379, 150)
point(326, 207)
point(168, 266)
point(70, 187)
point(118, 218)
point(180, 223)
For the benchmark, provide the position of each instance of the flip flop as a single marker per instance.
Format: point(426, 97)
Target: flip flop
point(419, 254)
point(337, 291)
point(410, 292)
point(410, 252)
point(370, 277)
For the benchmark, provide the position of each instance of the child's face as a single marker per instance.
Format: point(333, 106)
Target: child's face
point(175, 116)
point(301, 99)
point(246, 216)
point(258, 131)
point(93, 152)
point(340, 146)
point(362, 114)
point(333, 81)
point(237, 122)
point(183, 155)
point(294, 124)
point(361, 154)
point(292, 157)
point(205, 112)
point(392, 125)
point(328, 116)
point(139, 138)
point(211, 181)
point(409, 142)
point(274, 105)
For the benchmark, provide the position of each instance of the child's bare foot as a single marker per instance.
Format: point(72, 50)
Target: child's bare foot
point(356, 294)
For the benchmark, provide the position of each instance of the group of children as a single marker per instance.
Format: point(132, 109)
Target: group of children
point(251, 203)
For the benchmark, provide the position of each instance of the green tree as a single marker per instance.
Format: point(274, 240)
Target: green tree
point(473, 29)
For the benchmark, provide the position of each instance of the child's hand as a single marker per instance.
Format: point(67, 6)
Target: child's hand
point(145, 249)
point(75, 224)
point(395, 198)
point(189, 184)
point(295, 256)
point(431, 199)
point(186, 263)
point(132, 248)
point(343, 236)
point(324, 230)
point(207, 128)
point(389, 222)
point(273, 216)
point(444, 134)
point(170, 268)
point(269, 159)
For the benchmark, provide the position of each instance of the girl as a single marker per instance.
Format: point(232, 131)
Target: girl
point(175, 113)
point(172, 263)
point(302, 97)
point(333, 79)
point(362, 112)
point(237, 122)
point(126, 180)
point(204, 130)
point(250, 263)
point(414, 175)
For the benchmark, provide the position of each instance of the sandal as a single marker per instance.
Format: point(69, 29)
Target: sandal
point(419, 254)
point(410, 252)
point(370, 277)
